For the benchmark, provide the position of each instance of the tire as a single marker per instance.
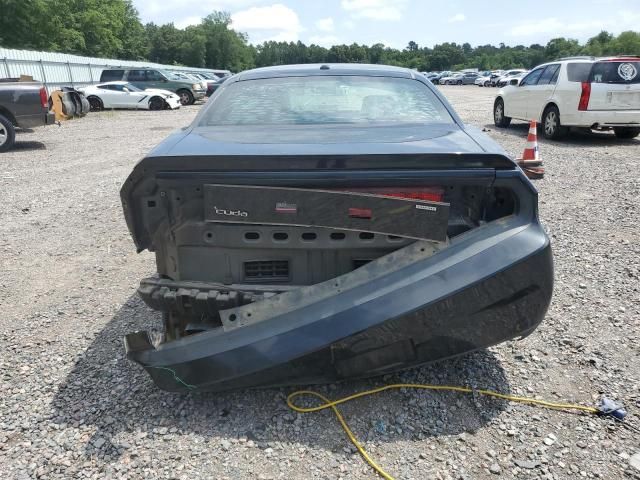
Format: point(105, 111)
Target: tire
point(156, 103)
point(186, 97)
point(459, 82)
point(552, 129)
point(487, 84)
point(626, 132)
point(95, 104)
point(499, 118)
point(7, 134)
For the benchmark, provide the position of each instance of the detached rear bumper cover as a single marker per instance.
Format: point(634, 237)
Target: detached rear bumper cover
point(407, 308)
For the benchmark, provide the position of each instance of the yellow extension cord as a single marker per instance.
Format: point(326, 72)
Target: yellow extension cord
point(333, 405)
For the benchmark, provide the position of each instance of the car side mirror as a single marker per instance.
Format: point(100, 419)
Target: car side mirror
point(513, 81)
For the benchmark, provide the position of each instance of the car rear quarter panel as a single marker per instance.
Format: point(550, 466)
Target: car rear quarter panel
point(566, 97)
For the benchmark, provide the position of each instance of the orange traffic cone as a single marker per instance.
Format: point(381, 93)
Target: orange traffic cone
point(530, 161)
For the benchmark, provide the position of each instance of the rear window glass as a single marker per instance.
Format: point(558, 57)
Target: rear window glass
point(578, 72)
point(315, 100)
point(615, 72)
point(111, 75)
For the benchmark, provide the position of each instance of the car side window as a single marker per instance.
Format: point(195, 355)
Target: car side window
point(532, 78)
point(153, 76)
point(136, 76)
point(109, 75)
point(103, 87)
point(549, 76)
point(578, 72)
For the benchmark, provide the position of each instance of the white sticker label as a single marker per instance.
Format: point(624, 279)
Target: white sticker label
point(426, 207)
point(627, 71)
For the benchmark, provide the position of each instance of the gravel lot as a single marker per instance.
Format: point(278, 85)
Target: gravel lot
point(72, 406)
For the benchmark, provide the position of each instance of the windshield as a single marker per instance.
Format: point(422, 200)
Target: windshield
point(316, 100)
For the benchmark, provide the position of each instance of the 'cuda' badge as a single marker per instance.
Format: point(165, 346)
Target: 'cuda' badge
point(230, 213)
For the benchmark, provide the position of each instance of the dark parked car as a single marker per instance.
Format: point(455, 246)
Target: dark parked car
point(189, 90)
point(322, 222)
point(469, 77)
point(23, 104)
point(212, 87)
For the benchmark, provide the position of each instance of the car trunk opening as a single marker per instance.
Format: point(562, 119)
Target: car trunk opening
point(227, 239)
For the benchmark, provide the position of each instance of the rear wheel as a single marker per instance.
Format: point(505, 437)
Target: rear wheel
point(7, 134)
point(626, 132)
point(552, 129)
point(499, 119)
point(459, 82)
point(487, 83)
point(95, 103)
point(186, 97)
point(156, 103)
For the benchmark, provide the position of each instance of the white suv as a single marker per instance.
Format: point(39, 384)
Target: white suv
point(596, 93)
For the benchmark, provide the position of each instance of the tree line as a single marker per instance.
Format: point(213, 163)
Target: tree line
point(112, 29)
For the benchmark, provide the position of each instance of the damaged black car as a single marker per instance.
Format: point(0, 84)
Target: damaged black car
point(322, 222)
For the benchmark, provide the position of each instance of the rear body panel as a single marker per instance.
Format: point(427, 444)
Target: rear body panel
point(326, 209)
point(498, 286)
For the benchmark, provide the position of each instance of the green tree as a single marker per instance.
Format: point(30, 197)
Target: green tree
point(627, 43)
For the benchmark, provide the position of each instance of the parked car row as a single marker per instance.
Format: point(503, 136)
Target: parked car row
point(583, 92)
point(151, 88)
point(499, 78)
point(495, 78)
point(451, 78)
point(25, 103)
point(189, 86)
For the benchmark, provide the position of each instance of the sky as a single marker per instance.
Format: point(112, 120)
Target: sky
point(396, 22)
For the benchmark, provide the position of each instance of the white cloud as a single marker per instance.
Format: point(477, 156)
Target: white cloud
point(274, 22)
point(186, 21)
point(555, 27)
point(324, 40)
point(186, 12)
point(375, 9)
point(349, 24)
point(325, 24)
point(458, 17)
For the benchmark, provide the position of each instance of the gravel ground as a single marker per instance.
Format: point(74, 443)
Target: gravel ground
point(72, 406)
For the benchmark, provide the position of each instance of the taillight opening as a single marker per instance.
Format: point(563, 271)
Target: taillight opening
point(44, 99)
point(584, 96)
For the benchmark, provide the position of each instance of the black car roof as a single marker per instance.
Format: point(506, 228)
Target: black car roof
point(319, 69)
